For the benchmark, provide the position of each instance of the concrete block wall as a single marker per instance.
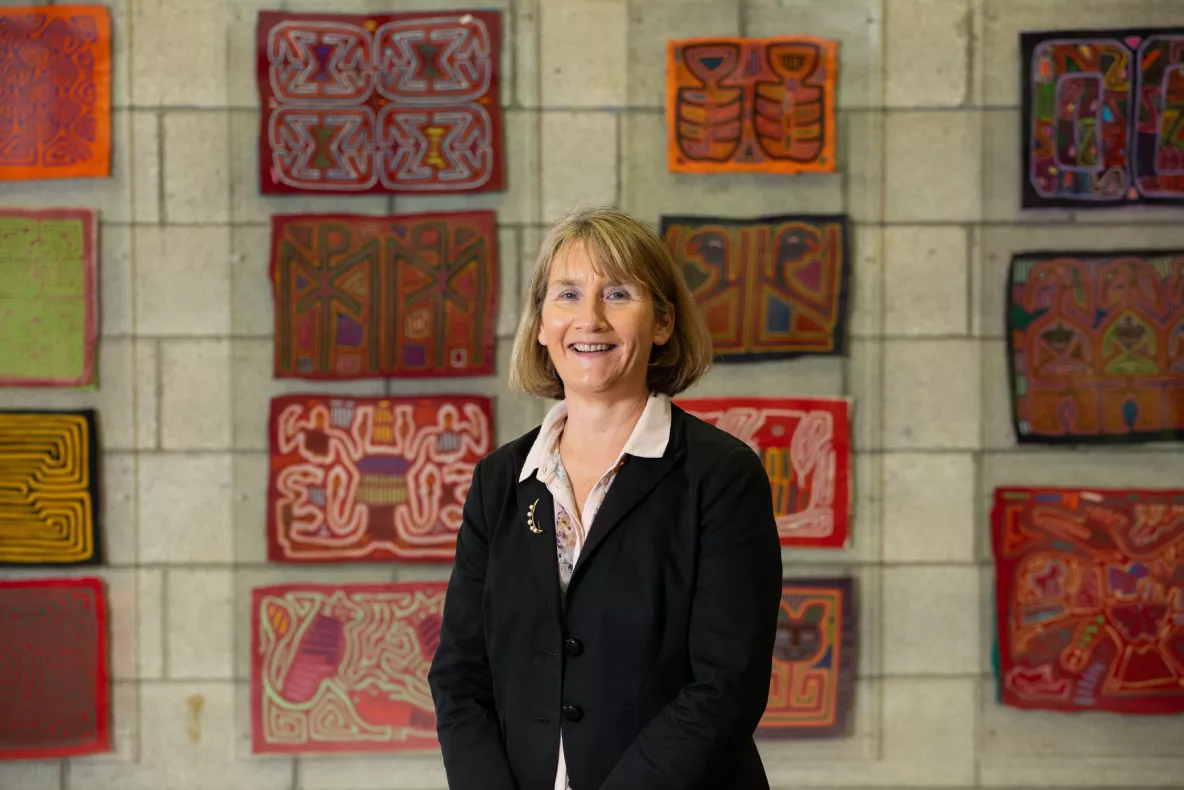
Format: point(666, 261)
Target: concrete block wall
point(929, 174)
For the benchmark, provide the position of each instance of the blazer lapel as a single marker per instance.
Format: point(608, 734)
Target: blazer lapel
point(536, 509)
point(636, 478)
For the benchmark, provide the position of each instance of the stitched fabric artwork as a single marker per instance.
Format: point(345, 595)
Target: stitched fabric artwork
point(771, 288)
point(751, 105)
point(372, 479)
point(53, 668)
point(805, 444)
point(1089, 587)
point(1103, 122)
point(811, 693)
point(49, 305)
point(344, 668)
point(385, 103)
point(55, 91)
point(373, 297)
point(1096, 344)
point(49, 489)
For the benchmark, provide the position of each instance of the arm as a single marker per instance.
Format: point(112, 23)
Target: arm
point(732, 627)
point(460, 677)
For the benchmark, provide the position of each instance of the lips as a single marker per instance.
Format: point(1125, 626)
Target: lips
point(592, 348)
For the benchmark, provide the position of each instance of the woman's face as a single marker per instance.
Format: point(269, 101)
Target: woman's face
point(599, 332)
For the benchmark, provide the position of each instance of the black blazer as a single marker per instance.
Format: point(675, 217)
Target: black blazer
point(657, 664)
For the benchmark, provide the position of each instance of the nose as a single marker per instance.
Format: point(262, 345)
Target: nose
point(592, 313)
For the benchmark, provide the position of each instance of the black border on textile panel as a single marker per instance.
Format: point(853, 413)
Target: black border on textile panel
point(1028, 197)
point(96, 502)
point(841, 321)
point(1142, 437)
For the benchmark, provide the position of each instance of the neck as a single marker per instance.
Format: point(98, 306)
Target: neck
point(598, 426)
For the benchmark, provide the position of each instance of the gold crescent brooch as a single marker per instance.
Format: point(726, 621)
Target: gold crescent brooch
point(535, 528)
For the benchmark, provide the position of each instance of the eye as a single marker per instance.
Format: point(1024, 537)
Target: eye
point(619, 293)
point(565, 294)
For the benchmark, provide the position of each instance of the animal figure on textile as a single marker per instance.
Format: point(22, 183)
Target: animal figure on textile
point(370, 297)
point(751, 105)
point(391, 103)
point(771, 288)
point(805, 444)
point(53, 668)
point(1102, 118)
point(343, 668)
point(371, 479)
point(812, 687)
point(1090, 599)
point(49, 488)
point(49, 304)
point(55, 91)
point(1097, 346)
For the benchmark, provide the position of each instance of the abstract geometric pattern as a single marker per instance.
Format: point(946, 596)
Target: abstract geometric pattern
point(371, 297)
point(805, 444)
point(49, 305)
point(751, 105)
point(372, 479)
point(384, 103)
point(344, 668)
point(771, 288)
point(49, 489)
point(1103, 117)
point(1097, 346)
point(53, 669)
point(1090, 599)
point(55, 92)
point(813, 685)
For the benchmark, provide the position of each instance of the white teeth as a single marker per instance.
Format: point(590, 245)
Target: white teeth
point(591, 346)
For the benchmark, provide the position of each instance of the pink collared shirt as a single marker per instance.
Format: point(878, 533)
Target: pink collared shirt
point(650, 436)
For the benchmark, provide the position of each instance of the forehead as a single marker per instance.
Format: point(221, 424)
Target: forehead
point(579, 260)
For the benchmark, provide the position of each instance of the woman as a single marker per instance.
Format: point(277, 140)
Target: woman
point(610, 618)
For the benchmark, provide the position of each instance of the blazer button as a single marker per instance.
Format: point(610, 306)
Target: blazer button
point(573, 712)
point(573, 646)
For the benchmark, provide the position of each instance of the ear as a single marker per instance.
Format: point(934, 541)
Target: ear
point(664, 328)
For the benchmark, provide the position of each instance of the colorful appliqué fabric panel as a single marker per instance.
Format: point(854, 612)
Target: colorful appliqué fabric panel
point(812, 690)
point(805, 444)
point(373, 297)
point(344, 668)
point(49, 488)
point(1103, 117)
point(372, 479)
point(1089, 587)
point(751, 105)
point(55, 91)
point(1096, 346)
point(384, 103)
point(49, 304)
point(771, 288)
point(53, 668)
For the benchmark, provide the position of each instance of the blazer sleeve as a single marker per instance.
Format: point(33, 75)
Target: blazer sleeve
point(460, 677)
point(733, 624)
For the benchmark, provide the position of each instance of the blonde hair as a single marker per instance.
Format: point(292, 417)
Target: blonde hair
point(628, 251)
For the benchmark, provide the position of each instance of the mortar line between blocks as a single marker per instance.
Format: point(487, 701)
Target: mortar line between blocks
point(161, 209)
point(158, 392)
point(164, 621)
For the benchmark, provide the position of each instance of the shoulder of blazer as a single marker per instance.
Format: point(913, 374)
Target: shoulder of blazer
point(705, 445)
point(497, 473)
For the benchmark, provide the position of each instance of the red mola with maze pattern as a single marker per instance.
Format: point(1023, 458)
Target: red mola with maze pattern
point(53, 668)
point(344, 668)
point(1089, 588)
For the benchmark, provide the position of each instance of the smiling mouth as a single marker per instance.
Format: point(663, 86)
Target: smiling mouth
point(592, 348)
